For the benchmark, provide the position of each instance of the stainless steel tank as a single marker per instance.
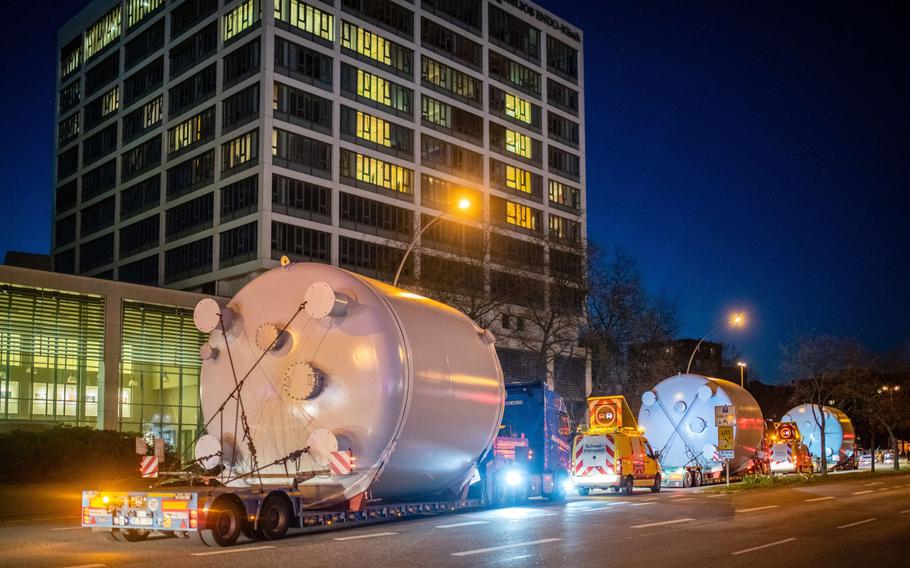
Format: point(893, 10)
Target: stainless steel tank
point(412, 387)
point(839, 433)
point(679, 419)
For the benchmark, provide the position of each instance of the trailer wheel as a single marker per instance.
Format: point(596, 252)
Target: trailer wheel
point(274, 518)
point(698, 478)
point(688, 479)
point(127, 535)
point(583, 491)
point(656, 487)
point(559, 489)
point(225, 523)
point(627, 486)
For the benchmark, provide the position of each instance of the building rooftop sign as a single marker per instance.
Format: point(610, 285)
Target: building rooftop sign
point(543, 17)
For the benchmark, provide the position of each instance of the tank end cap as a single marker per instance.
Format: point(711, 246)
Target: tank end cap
point(208, 313)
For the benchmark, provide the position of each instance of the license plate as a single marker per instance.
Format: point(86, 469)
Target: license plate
point(141, 522)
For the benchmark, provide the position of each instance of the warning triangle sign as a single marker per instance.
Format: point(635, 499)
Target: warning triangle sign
point(94, 522)
point(183, 524)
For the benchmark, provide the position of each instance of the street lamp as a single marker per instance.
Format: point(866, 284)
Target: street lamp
point(735, 320)
point(742, 368)
point(463, 205)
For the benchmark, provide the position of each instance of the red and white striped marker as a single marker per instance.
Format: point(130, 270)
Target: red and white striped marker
point(148, 466)
point(341, 462)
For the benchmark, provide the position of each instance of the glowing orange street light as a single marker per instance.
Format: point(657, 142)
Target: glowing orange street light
point(463, 205)
point(736, 320)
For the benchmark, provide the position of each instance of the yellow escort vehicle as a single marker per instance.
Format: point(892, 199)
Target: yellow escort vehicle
point(613, 453)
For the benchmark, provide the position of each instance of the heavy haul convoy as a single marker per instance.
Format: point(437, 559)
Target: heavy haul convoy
point(702, 428)
point(331, 398)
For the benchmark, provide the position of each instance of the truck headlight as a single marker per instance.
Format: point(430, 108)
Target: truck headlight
point(513, 477)
point(568, 486)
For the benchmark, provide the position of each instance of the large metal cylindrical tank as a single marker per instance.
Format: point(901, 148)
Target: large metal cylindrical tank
point(839, 433)
point(678, 418)
point(412, 387)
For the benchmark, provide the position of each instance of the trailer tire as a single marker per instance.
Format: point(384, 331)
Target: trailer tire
point(559, 489)
point(656, 487)
point(698, 478)
point(127, 535)
point(688, 479)
point(627, 486)
point(225, 523)
point(274, 518)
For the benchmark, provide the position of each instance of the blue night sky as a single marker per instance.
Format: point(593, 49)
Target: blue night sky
point(745, 155)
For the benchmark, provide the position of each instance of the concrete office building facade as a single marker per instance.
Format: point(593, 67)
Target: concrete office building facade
point(198, 141)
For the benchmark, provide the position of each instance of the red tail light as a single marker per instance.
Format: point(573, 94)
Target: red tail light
point(194, 519)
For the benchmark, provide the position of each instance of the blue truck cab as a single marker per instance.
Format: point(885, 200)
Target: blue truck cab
point(531, 454)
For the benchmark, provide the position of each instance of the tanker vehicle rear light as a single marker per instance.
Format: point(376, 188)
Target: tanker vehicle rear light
point(86, 516)
point(194, 518)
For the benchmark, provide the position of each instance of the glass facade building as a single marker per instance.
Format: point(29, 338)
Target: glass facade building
point(57, 365)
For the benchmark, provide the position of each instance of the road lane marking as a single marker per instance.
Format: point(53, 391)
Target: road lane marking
point(505, 547)
point(847, 526)
point(232, 550)
point(68, 528)
point(818, 499)
point(642, 503)
point(862, 492)
point(464, 524)
point(873, 483)
point(89, 566)
point(686, 499)
point(756, 509)
point(360, 536)
point(662, 523)
point(905, 511)
point(718, 495)
point(598, 509)
point(769, 545)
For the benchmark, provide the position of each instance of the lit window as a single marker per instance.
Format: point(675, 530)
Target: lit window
point(307, 18)
point(190, 131)
point(520, 216)
point(70, 61)
point(517, 178)
point(436, 112)
point(518, 109)
point(104, 32)
point(138, 9)
point(383, 174)
point(110, 101)
point(151, 113)
point(238, 151)
point(366, 43)
point(373, 129)
point(373, 87)
point(241, 18)
point(518, 143)
point(563, 194)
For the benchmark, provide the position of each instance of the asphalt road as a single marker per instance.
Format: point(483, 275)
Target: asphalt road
point(857, 521)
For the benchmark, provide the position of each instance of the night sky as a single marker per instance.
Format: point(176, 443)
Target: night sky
point(746, 155)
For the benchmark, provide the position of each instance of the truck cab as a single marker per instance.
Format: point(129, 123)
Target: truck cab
point(612, 453)
point(530, 456)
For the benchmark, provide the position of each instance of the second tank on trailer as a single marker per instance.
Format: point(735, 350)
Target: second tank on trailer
point(678, 417)
point(839, 432)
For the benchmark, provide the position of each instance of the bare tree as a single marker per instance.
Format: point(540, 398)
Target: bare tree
point(818, 365)
point(621, 315)
point(452, 265)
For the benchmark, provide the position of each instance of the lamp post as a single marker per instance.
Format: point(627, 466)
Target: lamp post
point(742, 369)
point(736, 320)
point(463, 204)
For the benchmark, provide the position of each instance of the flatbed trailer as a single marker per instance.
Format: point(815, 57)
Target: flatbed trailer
point(696, 475)
point(219, 515)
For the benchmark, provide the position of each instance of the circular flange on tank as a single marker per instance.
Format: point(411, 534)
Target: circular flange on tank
point(301, 381)
point(208, 451)
point(322, 301)
point(321, 444)
point(208, 313)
